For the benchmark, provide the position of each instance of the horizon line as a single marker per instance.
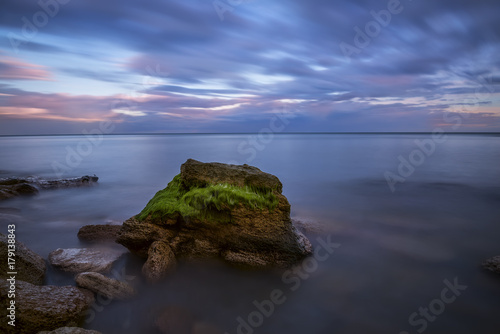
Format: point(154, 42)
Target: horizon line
point(251, 133)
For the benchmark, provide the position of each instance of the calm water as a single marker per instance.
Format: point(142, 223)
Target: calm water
point(397, 248)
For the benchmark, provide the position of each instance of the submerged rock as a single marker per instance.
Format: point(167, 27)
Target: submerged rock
point(17, 186)
point(205, 328)
point(98, 232)
point(233, 212)
point(78, 260)
point(492, 264)
point(13, 190)
point(30, 266)
point(105, 286)
point(40, 308)
point(70, 330)
point(176, 320)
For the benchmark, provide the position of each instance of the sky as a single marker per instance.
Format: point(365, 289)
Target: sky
point(198, 66)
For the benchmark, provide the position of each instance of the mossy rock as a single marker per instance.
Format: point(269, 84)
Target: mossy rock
point(233, 212)
point(207, 201)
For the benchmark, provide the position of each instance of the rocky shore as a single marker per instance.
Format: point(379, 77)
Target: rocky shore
point(210, 210)
point(235, 213)
point(23, 186)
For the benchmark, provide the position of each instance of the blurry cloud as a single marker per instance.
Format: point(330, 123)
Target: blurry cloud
point(181, 68)
point(15, 69)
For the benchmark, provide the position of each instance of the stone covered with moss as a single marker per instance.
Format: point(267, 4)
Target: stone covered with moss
point(200, 201)
point(234, 212)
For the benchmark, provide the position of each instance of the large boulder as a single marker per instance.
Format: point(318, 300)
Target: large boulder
point(30, 266)
point(235, 212)
point(78, 260)
point(43, 308)
point(108, 287)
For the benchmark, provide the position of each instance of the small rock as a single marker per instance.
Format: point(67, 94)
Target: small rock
point(492, 264)
point(139, 237)
point(64, 183)
point(309, 226)
point(25, 189)
point(175, 320)
point(30, 266)
point(78, 260)
point(70, 330)
point(105, 286)
point(99, 232)
point(161, 261)
point(12, 190)
point(44, 308)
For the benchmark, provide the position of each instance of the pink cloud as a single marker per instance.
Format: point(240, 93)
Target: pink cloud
point(15, 69)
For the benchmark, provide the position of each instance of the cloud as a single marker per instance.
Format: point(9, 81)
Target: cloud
point(15, 69)
point(181, 68)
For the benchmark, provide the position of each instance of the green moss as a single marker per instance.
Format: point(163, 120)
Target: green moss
point(204, 201)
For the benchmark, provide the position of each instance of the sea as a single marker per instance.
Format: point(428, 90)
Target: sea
point(408, 218)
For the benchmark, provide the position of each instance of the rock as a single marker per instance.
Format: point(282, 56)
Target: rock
point(492, 264)
point(30, 267)
point(78, 260)
point(309, 226)
point(138, 237)
point(198, 174)
point(161, 261)
point(108, 287)
point(24, 189)
point(205, 328)
point(236, 213)
point(175, 320)
point(98, 232)
point(70, 330)
point(83, 181)
point(13, 190)
point(17, 186)
point(44, 308)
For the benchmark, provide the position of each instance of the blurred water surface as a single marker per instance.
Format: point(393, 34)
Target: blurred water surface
point(397, 248)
